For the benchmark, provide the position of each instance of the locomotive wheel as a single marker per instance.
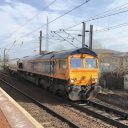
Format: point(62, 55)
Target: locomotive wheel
point(44, 84)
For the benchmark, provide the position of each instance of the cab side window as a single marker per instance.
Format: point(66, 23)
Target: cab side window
point(62, 64)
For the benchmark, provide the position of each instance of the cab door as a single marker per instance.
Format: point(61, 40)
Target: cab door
point(52, 66)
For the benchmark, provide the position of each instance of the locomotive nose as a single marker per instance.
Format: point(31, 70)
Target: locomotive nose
point(83, 77)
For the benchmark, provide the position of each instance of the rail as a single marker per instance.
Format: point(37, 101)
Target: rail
point(62, 118)
point(107, 114)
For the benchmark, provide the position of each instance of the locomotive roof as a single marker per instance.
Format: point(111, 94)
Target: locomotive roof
point(62, 54)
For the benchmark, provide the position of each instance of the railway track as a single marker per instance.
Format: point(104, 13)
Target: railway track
point(115, 99)
point(51, 111)
point(105, 113)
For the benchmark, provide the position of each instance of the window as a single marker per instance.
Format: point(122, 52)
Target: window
point(46, 66)
point(76, 63)
point(62, 64)
point(20, 65)
point(91, 63)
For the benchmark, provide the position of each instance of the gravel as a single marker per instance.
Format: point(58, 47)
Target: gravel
point(120, 101)
point(41, 115)
point(80, 118)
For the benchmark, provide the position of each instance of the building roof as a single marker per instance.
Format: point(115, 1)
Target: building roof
point(123, 54)
point(103, 51)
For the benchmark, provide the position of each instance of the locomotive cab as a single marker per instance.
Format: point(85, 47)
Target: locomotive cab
point(84, 74)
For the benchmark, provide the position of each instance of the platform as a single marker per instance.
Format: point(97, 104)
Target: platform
point(12, 115)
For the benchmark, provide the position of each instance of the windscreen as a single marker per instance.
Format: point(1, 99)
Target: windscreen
point(91, 63)
point(76, 63)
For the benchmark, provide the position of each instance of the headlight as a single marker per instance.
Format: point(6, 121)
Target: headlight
point(72, 80)
point(96, 80)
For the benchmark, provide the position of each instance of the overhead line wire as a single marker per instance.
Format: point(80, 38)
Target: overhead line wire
point(112, 27)
point(65, 39)
point(106, 15)
point(32, 18)
point(56, 18)
point(72, 36)
point(92, 18)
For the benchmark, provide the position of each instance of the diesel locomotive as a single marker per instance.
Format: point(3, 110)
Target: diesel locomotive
point(72, 72)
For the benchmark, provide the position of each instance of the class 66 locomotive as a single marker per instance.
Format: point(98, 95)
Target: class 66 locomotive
point(73, 72)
